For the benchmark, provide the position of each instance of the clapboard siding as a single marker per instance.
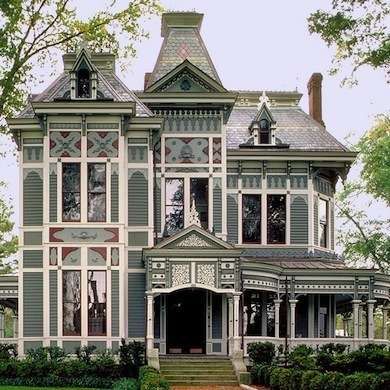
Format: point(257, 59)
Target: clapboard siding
point(53, 311)
point(315, 222)
point(138, 199)
point(32, 304)
point(232, 218)
point(115, 303)
point(32, 258)
point(136, 304)
point(332, 232)
point(114, 197)
point(135, 259)
point(217, 205)
point(299, 219)
point(53, 197)
point(157, 205)
point(32, 197)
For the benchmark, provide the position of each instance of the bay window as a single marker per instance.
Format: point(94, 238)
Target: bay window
point(323, 222)
point(251, 219)
point(97, 303)
point(71, 192)
point(174, 205)
point(276, 219)
point(71, 306)
point(96, 192)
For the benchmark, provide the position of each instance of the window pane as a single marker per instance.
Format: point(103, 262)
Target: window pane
point(71, 308)
point(200, 194)
point(251, 218)
point(264, 137)
point(174, 192)
point(71, 177)
point(252, 313)
point(96, 192)
point(97, 301)
point(174, 219)
point(174, 205)
point(71, 192)
point(323, 219)
point(276, 219)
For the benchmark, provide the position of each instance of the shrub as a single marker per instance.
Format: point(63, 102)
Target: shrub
point(150, 379)
point(333, 348)
point(84, 354)
point(301, 358)
point(131, 358)
point(307, 377)
point(261, 352)
point(260, 373)
point(104, 365)
point(126, 384)
point(280, 378)
point(359, 381)
point(8, 351)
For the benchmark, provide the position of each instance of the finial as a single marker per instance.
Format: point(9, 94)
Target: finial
point(194, 215)
point(263, 99)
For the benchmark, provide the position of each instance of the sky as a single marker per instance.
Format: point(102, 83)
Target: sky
point(255, 45)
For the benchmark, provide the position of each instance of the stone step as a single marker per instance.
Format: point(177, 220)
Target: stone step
point(202, 382)
point(189, 371)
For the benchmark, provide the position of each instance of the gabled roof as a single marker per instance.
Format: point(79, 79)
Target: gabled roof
point(182, 41)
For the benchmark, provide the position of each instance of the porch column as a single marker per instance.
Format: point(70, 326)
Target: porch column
point(385, 311)
point(15, 325)
point(236, 315)
point(150, 325)
point(277, 316)
point(293, 303)
point(264, 313)
point(230, 326)
point(2, 324)
point(370, 319)
point(356, 303)
point(361, 320)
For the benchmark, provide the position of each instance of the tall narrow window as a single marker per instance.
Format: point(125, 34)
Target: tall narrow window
point(83, 83)
point(71, 192)
point(71, 303)
point(200, 195)
point(174, 205)
point(264, 132)
point(251, 219)
point(96, 192)
point(276, 219)
point(97, 303)
point(323, 220)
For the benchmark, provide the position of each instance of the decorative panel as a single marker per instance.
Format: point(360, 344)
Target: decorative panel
point(83, 234)
point(114, 193)
point(65, 144)
point(115, 303)
point(71, 256)
point(323, 186)
point(180, 274)
point(102, 143)
point(232, 218)
point(137, 154)
point(103, 126)
point(32, 258)
point(251, 181)
point(53, 309)
point(157, 204)
point(206, 274)
point(299, 219)
point(138, 238)
point(232, 181)
point(32, 153)
point(32, 197)
point(32, 304)
point(32, 238)
point(53, 256)
point(138, 197)
point(186, 150)
point(53, 193)
point(217, 150)
point(298, 182)
point(97, 256)
point(136, 305)
point(157, 152)
point(192, 123)
point(114, 256)
point(217, 204)
point(276, 181)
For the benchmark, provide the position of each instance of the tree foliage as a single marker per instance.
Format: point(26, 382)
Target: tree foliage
point(365, 239)
point(359, 30)
point(32, 32)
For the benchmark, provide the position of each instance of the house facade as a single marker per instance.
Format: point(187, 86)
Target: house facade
point(186, 215)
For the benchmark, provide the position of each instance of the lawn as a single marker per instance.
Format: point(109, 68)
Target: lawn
point(41, 388)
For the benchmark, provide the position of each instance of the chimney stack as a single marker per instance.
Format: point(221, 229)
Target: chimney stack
point(146, 79)
point(314, 89)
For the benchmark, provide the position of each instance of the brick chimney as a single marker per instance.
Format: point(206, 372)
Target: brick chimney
point(146, 79)
point(314, 89)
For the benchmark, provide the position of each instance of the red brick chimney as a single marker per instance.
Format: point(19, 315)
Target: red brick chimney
point(314, 89)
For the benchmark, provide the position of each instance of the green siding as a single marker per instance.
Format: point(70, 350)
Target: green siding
point(32, 197)
point(33, 304)
point(138, 199)
point(136, 304)
point(53, 197)
point(32, 238)
point(138, 238)
point(315, 216)
point(135, 259)
point(115, 303)
point(157, 205)
point(232, 218)
point(32, 258)
point(299, 215)
point(331, 222)
point(70, 347)
point(114, 197)
point(53, 297)
point(217, 205)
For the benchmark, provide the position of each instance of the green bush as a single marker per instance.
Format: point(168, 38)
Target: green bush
point(261, 352)
point(333, 348)
point(302, 358)
point(360, 381)
point(150, 379)
point(307, 377)
point(280, 378)
point(8, 351)
point(131, 358)
point(260, 374)
point(126, 384)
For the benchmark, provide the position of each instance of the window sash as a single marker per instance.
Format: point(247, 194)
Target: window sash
point(251, 219)
point(76, 193)
point(276, 216)
point(68, 303)
point(97, 311)
point(95, 194)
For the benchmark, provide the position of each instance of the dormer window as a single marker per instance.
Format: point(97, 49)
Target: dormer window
point(264, 132)
point(84, 84)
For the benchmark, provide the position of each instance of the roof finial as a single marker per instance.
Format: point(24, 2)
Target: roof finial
point(194, 215)
point(263, 99)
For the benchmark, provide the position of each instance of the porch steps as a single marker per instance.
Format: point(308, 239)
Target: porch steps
point(201, 370)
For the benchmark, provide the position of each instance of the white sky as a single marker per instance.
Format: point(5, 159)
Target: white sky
point(255, 45)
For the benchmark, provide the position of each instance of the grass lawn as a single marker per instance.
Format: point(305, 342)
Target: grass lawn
point(41, 388)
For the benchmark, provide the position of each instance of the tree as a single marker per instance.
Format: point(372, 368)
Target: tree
point(359, 31)
point(8, 241)
point(366, 239)
point(32, 32)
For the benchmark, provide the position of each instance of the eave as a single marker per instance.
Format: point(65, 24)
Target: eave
point(142, 123)
point(188, 98)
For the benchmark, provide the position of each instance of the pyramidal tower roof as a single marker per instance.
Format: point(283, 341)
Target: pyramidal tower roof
point(182, 41)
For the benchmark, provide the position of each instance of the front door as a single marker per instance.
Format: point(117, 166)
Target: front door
point(186, 322)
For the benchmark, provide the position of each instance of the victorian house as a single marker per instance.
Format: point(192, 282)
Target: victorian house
point(196, 218)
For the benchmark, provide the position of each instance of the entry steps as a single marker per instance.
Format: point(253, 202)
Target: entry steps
point(197, 370)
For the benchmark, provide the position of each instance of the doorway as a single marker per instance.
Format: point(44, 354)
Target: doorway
point(186, 322)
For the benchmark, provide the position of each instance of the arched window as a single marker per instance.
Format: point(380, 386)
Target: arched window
point(264, 132)
point(83, 83)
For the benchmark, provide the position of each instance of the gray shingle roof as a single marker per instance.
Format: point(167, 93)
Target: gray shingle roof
point(293, 127)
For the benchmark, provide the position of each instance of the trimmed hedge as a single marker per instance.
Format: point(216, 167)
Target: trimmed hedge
point(126, 384)
point(150, 379)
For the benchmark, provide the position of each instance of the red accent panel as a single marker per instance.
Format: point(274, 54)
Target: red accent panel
point(102, 251)
point(115, 232)
point(52, 232)
point(67, 250)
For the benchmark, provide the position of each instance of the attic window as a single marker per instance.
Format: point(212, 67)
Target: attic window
point(83, 83)
point(264, 132)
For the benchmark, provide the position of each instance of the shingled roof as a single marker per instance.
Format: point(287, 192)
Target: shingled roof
point(182, 41)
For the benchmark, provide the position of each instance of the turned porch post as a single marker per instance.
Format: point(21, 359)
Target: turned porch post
point(277, 316)
point(293, 303)
point(236, 316)
point(150, 320)
point(356, 311)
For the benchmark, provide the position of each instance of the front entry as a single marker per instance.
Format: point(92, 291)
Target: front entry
point(186, 322)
